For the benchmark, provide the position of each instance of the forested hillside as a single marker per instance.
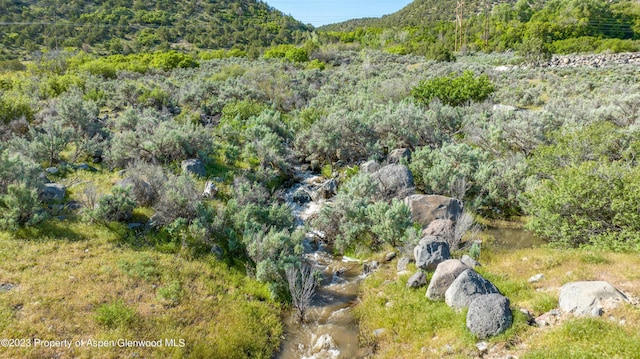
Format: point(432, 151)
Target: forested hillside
point(542, 27)
point(124, 26)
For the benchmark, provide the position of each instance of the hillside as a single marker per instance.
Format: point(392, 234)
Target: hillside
point(418, 13)
point(435, 27)
point(124, 26)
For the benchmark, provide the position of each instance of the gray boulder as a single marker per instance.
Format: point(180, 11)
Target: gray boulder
point(470, 262)
point(369, 167)
point(427, 208)
point(327, 189)
point(445, 274)
point(489, 315)
point(394, 181)
point(589, 298)
point(430, 252)
point(417, 280)
point(194, 166)
point(466, 287)
point(439, 227)
point(396, 156)
point(52, 192)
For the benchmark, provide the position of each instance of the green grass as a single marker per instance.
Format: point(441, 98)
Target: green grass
point(587, 338)
point(417, 327)
point(92, 286)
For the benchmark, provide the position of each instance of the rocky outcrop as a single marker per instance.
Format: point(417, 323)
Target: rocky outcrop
point(489, 315)
point(52, 192)
point(427, 208)
point(194, 166)
point(417, 280)
point(394, 181)
point(445, 274)
point(466, 287)
point(430, 252)
point(398, 155)
point(589, 298)
point(594, 60)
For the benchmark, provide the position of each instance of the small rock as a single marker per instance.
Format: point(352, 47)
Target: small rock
point(417, 280)
point(536, 278)
point(370, 267)
point(194, 166)
point(210, 190)
point(378, 332)
point(403, 263)
point(85, 167)
point(5, 287)
point(482, 346)
point(52, 170)
point(389, 256)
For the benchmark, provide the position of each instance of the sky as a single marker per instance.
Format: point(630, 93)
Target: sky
point(322, 12)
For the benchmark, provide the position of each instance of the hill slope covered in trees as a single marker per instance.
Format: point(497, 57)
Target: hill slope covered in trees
point(432, 26)
point(122, 26)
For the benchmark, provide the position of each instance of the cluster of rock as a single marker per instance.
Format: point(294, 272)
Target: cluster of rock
point(593, 60)
point(456, 283)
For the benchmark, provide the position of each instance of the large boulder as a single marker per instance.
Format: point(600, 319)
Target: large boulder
point(194, 166)
point(427, 208)
point(52, 192)
point(489, 315)
point(589, 298)
point(466, 287)
point(369, 167)
point(445, 274)
point(430, 252)
point(327, 189)
point(397, 155)
point(394, 181)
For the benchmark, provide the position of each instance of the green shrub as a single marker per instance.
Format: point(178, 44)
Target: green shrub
point(454, 90)
point(19, 207)
point(117, 206)
point(116, 315)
